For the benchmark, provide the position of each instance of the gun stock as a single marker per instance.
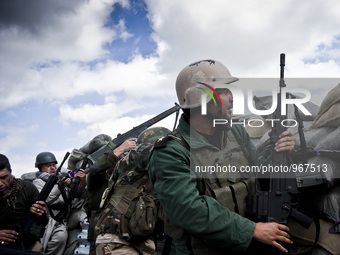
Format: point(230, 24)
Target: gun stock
point(133, 133)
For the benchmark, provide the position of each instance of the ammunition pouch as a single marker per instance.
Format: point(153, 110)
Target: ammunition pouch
point(131, 214)
point(234, 196)
point(143, 219)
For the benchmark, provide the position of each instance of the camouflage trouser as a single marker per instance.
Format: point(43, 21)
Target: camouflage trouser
point(115, 248)
point(109, 244)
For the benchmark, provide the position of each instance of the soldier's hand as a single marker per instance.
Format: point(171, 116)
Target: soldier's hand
point(125, 146)
point(272, 233)
point(8, 236)
point(286, 142)
point(64, 182)
point(82, 176)
point(39, 208)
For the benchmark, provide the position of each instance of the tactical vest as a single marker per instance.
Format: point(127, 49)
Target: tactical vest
point(131, 202)
point(227, 185)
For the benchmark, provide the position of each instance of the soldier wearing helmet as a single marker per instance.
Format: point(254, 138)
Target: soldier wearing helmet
point(46, 162)
point(204, 216)
point(55, 236)
point(97, 183)
point(114, 234)
point(151, 135)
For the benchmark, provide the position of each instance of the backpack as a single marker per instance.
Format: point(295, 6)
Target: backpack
point(131, 206)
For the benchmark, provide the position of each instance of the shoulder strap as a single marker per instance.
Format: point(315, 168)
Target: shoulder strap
point(64, 208)
point(175, 135)
point(180, 140)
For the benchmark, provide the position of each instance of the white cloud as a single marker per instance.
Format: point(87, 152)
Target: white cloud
point(246, 35)
point(61, 82)
point(123, 33)
point(59, 54)
point(50, 62)
point(15, 137)
point(89, 113)
point(113, 127)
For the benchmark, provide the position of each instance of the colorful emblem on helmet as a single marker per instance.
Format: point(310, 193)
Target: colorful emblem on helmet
point(209, 93)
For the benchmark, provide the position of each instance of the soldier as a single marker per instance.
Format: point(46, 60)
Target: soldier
point(97, 183)
point(197, 221)
point(55, 236)
point(16, 197)
point(119, 229)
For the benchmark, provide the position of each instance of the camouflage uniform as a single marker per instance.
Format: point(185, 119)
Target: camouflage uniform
point(96, 185)
point(128, 181)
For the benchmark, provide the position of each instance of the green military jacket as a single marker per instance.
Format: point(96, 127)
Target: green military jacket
point(97, 179)
point(183, 197)
point(96, 184)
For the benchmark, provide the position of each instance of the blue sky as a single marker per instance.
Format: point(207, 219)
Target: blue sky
point(71, 70)
point(138, 32)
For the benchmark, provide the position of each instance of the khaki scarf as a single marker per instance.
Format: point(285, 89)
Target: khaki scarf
point(11, 195)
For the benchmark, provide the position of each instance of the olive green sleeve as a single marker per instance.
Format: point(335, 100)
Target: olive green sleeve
point(96, 181)
point(107, 160)
point(200, 215)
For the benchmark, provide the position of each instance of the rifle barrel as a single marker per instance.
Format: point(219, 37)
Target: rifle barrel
point(132, 133)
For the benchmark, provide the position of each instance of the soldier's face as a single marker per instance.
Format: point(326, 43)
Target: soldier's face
point(224, 111)
point(5, 181)
point(48, 168)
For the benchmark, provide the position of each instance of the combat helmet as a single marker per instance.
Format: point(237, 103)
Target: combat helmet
point(151, 135)
point(45, 157)
point(211, 71)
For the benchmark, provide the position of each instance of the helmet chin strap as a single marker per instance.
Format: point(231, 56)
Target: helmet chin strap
point(218, 115)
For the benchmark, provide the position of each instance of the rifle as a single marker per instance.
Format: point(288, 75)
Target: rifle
point(133, 133)
point(275, 204)
point(43, 195)
point(52, 180)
